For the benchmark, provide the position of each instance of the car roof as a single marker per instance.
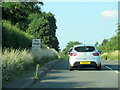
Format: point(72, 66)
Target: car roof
point(83, 45)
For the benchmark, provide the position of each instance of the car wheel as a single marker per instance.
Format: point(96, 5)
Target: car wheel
point(98, 67)
point(70, 68)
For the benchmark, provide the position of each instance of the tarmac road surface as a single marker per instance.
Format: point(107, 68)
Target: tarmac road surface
point(59, 76)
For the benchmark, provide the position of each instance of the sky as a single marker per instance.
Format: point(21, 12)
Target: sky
point(85, 22)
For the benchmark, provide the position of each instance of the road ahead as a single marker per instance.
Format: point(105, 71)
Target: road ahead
point(60, 77)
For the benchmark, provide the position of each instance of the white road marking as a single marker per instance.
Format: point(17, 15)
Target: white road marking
point(108, 67)
point(112, 69)
point(117, 72)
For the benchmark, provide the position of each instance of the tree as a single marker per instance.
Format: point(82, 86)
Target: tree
point(104, 41)
point(118, 30)
point(109, 45)
point(69, 45)
point(118, 34)
point(64, 53)
point(28, 17)
point(43, 25)
point(18, 12)
point(96, 44)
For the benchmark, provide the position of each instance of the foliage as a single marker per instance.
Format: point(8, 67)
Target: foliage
point(13, 37)
point(64, 53)
point(63, 56)
point(69, 45)
point(110, 47)
point(96, 45)
point(14, 62)
point(111, 55)
point(43, 55)
point(118, 30)
point(44, 26)
point(28, 17)
point(17, 12)
point(109, 44)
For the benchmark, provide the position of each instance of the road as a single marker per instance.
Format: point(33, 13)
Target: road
point(60, 77)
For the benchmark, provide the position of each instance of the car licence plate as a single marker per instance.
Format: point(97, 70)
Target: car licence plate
point(85, 62)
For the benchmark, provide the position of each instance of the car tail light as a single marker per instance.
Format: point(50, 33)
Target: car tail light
point(96, 54)
point(73, 54)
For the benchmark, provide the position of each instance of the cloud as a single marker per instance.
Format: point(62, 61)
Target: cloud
point(109, 13)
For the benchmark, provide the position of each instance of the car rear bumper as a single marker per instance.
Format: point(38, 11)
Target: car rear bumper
point(92, 64)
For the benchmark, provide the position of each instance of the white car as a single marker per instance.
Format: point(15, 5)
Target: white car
point(84, 56)
point(70, 50)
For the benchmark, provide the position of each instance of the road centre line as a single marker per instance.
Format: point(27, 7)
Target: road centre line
point(108, 67)
point(112, 69)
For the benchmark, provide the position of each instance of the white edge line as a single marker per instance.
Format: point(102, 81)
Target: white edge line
point(117, 72)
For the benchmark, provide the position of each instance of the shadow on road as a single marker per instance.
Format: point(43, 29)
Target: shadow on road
point(59, 76)
point(58, 84)
point(64, 65)
point(113, 67)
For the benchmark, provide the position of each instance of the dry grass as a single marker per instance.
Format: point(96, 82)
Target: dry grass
point(15, 62)
point(39, 53)
point(111, 55)
point(43, 55)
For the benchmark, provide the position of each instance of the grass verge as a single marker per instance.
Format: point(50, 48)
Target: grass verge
point(15, 62)
point(111, 55)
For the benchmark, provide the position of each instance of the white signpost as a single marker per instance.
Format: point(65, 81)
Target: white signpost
point(36, 43)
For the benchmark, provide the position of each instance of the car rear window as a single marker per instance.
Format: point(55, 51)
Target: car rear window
point(84, 49)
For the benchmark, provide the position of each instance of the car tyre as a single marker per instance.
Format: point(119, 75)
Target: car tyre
point(98, 67)
point(70, 68)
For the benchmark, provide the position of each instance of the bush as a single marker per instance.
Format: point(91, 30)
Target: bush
point(13, 37)
point(64, 56)
point(43, 55)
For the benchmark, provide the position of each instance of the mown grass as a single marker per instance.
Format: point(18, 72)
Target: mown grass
point(111, 55)
point(14, 62)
